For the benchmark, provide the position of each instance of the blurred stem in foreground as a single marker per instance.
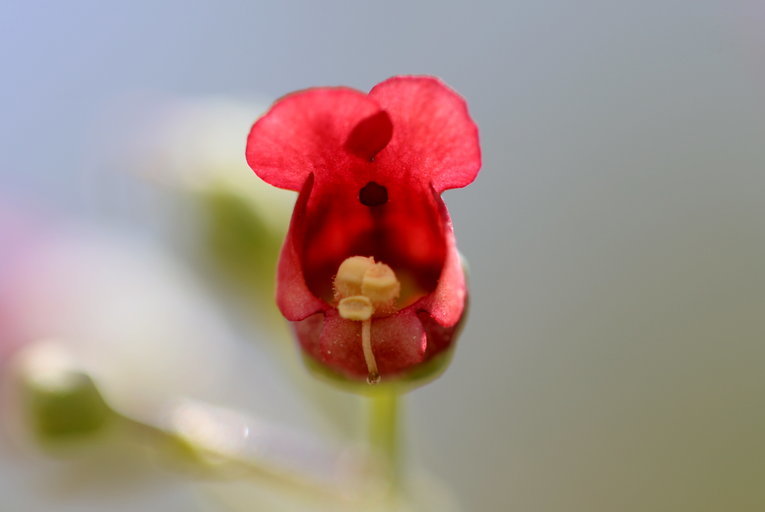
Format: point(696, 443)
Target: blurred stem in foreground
point(251, 461)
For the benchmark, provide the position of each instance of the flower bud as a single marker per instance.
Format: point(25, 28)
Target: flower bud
point(61, 402)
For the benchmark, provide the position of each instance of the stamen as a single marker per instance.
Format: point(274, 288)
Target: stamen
point(358, 308)
point(350, 276)
point(369, 356)
point(363, 287)
point(380, 284)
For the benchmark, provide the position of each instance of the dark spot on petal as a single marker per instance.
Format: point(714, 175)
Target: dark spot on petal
point(373, 194)
point(370, 136)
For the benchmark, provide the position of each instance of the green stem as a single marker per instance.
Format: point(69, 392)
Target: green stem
point(384, 429)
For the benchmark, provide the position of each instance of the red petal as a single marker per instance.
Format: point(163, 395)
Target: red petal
point(447, 302)
point(306, 132)
point(434, 137)
point(370, 136)
point(293, 297)
point(399, 342)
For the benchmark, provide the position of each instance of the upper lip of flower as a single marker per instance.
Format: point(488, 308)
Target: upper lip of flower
point(325, 130)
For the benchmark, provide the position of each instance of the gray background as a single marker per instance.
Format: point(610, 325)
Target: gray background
point(614, 356)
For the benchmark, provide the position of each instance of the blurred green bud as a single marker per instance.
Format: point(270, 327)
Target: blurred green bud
point(60, 402)
point(241, 242)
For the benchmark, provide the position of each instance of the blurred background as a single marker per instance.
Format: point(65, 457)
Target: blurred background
point(615, 352)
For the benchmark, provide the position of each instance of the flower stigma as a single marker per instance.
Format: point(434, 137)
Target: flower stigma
point(364, 287)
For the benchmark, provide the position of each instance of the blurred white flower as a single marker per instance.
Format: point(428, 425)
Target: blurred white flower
point(129, 315)
point(198, 145)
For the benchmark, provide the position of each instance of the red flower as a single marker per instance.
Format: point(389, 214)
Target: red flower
point(370, 169)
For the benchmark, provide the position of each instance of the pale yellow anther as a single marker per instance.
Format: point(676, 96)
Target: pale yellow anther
point(350, 275)
point(357, 308)
point(380, 284)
